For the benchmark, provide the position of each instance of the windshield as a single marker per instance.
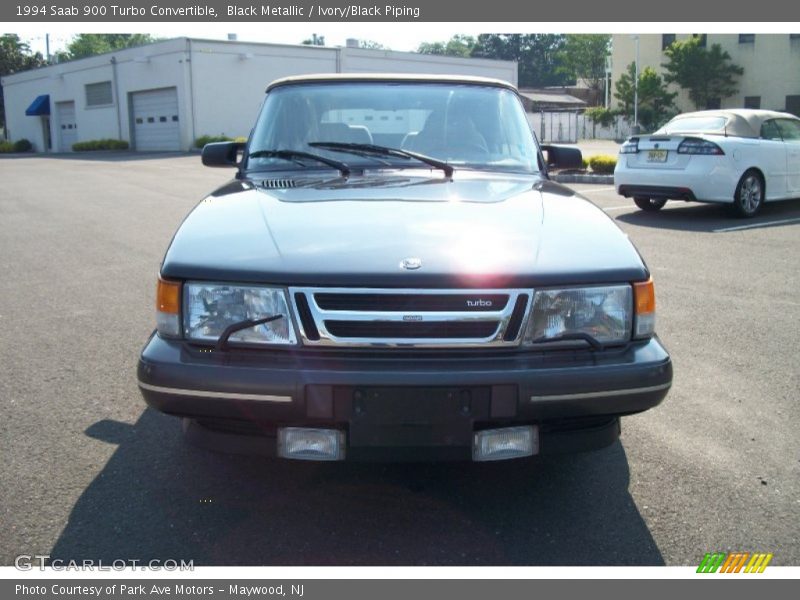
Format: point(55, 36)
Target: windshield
point(468, 126)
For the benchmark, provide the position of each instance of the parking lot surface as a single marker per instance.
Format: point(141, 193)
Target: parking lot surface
point(88, 471)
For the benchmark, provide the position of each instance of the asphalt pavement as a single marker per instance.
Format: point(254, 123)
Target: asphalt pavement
point(88, 471)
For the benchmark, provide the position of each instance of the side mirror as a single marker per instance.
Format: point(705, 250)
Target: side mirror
point(563, 157)
point(222, 154)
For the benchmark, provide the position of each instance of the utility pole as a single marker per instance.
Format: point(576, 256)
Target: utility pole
point(47, 46)
point(636, 89)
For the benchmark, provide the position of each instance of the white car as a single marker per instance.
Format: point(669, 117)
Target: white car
point(739, 157)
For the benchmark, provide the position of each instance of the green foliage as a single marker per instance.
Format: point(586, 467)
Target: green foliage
point(538, 54)
point(314, 40)
point(603, 164)
point(208, 139)
point(23, 145)
point(458, 45)
point(600, 115)
point(6, 147)
point(15, 56)
point(105, 144)
point(89, 44)
point(706, 73)
point(656, 103)
point(583, 56)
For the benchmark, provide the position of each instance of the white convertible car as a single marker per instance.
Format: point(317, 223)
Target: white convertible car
point(739, 157)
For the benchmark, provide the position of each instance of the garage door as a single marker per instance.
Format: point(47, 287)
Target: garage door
point(155, 120)
point(67, 127)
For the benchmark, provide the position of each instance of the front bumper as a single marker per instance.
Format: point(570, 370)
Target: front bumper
point(574, 397)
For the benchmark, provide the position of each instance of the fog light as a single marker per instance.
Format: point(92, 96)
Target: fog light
point(303, 443)
point(500, 444)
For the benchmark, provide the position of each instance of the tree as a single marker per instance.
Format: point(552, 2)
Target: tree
point(315, 40)
point(458, 45)
point(707, 73)
point(656, 103)
point(600, 115)
point(538, 56)
point(15, 56)
point(584, 57)
point(89, 44)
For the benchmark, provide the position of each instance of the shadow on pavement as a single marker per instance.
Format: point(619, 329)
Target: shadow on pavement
point(159, 498)
point(711, 218)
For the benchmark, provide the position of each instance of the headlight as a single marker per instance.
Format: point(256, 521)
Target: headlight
point(604, 313)
point(210, 308)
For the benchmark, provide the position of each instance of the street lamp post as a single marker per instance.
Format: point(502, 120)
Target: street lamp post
point(636, 88)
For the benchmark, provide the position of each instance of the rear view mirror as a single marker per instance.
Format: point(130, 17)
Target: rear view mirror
point(563, 157)
point(222, 154)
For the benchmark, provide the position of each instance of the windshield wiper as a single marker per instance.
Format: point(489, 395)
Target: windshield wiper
point(384, 151)
point(343, 168)
point(222, 342)
point(575, 336)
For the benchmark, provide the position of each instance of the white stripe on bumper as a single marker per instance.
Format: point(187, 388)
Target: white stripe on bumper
point(604, 394)
point(212, 394)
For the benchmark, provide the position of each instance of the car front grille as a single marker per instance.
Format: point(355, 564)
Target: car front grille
point(424, 318)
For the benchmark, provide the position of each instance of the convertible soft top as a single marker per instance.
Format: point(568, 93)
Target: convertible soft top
point(742, 122)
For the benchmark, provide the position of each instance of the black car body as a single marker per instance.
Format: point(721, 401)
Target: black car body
point(348, 299)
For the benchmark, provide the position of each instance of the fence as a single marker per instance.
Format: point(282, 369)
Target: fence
point(567, 127)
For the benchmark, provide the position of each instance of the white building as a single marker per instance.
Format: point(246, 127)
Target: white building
point(165, 95)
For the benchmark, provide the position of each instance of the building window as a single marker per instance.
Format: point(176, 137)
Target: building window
point(99, 94)
point(747, 38)
point(793, 104)
point(794, 36)
point(714, 104)
point(752, 101)
point(666, 40)
point(703, 38)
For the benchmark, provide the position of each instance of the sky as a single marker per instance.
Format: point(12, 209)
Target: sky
point(404, 36)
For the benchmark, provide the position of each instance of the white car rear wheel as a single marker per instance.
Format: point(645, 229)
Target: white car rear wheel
point(649, 204)
point(749, 195)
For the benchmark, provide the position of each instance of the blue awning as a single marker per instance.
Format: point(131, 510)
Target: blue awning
point(40, 106)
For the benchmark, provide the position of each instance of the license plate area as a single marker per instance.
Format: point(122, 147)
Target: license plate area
point(656, 156)
point(412, 416)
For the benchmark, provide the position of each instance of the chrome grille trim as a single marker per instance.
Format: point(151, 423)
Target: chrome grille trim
point(327, 339)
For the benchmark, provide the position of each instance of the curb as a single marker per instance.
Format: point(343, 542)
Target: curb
point(583, 178)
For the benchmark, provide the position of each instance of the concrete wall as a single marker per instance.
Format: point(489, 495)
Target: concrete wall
point(220, 84)
point(771, 65)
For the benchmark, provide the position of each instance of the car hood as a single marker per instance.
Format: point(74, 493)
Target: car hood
point(476, 230)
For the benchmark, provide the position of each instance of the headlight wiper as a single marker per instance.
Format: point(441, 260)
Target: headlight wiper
point(384, 151)
point(343, 168)
point(569, 337)
point(222, 342)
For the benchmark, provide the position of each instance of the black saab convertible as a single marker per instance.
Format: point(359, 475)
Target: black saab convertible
point(392, 275)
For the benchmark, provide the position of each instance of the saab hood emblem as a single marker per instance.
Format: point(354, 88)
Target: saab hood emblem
point(410, 264)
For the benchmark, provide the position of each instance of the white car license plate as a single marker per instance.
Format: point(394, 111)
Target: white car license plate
point(656, 156)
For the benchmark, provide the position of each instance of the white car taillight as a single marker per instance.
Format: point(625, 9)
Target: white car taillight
point(630, 147)
point(698, 146)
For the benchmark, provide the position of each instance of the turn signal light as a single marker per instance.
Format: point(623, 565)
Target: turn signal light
point(168, 308)
point(644, 300)
point(168, 296)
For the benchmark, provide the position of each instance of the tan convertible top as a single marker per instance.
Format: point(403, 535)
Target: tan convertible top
point(740, 122)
